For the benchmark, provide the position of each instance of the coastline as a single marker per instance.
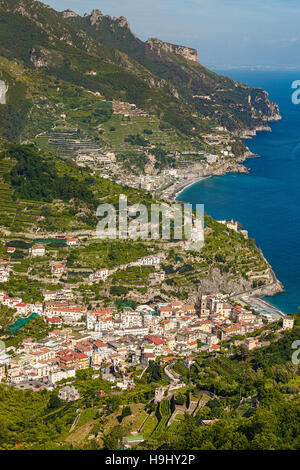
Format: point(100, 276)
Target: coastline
point(255, 297)
point(173, 191)
point(178, 189)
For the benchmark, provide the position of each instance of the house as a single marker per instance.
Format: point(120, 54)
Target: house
point(71, 241)
point(54, 321)
point(132, 330)
point(188, 309)
point(165, 311)
point(157, 277)
point(10, 250)
point(42, 354)
point(100, 275)
point(189, 361)
point(288, 323)
point(251, 343)
point(156, 340)
point(149, 261)
point(69, 359)
point(4, 275)
point(37, 307)
point(22, 308)
point(146, 357)
point(57, 375)
point(57, 269)
point(37, 250)
point(68, 393)
point(69, 314)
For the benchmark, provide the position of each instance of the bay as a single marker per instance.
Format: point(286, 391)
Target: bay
point(267, 200)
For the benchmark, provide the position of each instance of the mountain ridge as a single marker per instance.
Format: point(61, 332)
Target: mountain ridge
point(161, 78)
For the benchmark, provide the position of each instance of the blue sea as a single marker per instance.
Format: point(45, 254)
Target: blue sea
point(267, 200)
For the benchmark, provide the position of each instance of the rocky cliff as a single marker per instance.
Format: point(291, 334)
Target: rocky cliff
point(186, 52)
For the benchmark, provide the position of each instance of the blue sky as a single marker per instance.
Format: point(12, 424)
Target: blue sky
point(225, 32)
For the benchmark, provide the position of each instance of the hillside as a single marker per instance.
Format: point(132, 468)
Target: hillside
point(245, 401)
point(43, 195)
point(233, 105)
point(71, 84)
point(102, 55)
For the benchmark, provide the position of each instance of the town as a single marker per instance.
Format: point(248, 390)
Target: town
point(110, 339)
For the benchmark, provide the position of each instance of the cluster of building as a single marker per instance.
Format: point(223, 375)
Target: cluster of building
point(236, 226)
point(22, 308)
point(99, 275)
point(106, 338)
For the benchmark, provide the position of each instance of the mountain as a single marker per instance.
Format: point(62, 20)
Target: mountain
point(232, 104)
point(102, 55)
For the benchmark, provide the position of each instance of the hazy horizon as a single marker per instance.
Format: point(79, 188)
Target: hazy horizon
point(226, 33)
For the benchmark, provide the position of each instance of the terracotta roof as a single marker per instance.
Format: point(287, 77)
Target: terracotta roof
point(155, 339)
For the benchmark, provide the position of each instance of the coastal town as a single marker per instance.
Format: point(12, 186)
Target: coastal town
point(134, 315)
point(111, 339)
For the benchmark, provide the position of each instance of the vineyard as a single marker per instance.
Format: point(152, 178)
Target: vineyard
point(15, 215)
point(164, 412)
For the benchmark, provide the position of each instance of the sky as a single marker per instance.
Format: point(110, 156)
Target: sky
point(226, 33)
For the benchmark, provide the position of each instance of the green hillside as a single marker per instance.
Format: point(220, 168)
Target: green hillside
point(102, 55)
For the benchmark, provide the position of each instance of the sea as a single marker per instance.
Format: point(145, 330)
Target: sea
point(267, 200)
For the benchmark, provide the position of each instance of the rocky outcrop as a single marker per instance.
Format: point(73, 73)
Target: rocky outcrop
point(97, 16)
point(69, 14)
point(250, 133)
point(122, 22)
point(220, 282)
point(159, 46)
point(39, 58)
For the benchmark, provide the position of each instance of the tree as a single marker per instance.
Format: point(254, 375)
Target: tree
point(126, 411)
point(112, 440)
point(55, 401)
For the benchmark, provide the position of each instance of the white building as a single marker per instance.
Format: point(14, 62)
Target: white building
point(4, 275)
point(37, 250)
point(100, 275)
point(72, 242)
point(150, 261)
point(68, 393)
point(57, 375)
point(132, 330)
point(288, 323)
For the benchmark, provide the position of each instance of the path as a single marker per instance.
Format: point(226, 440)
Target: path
point(75, 421)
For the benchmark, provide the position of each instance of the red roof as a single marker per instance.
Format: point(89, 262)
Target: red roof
point(54, 320)
point(238, 308)
point(154, 339)
point(82, 356)
point(167, 359)
point(149, 355)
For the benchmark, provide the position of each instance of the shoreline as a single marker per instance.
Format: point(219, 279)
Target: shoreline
point(172, 192)
point(176, 189)
point(179, 190)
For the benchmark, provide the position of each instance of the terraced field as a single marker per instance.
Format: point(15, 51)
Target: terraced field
point(149, 426)
point(114, 139)
point(14, 215)
point(165, 413)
